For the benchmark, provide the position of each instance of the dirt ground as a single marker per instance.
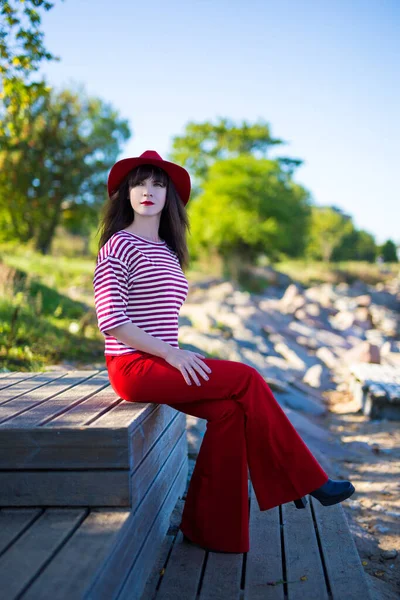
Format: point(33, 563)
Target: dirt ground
point(373, 512)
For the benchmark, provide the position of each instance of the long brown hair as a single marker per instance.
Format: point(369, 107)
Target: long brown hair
point(174, 222)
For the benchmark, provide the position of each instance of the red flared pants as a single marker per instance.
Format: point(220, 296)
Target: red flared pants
point(246, 427)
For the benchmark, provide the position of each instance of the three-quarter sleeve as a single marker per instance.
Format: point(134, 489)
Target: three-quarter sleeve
point(110, 284)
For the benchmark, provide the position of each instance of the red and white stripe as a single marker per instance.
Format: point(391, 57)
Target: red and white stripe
point(140, 281)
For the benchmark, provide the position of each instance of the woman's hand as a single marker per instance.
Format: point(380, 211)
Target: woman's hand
point(188, 363)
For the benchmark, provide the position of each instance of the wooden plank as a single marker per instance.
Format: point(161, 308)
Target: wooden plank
point(13, 521)
point(111, 577)
point(191, 558)
point(61, 488)
point(13, 377)
point(222, 576)
point(35, 548)
point(14, 387)
point(38, 407)
point(82, 448)
point(75, 564)
point(121, 415)
point(264, 560)
point(342, 562)
point(304, 571)
point(143, 437)
point(87, 411)
point(157, 571)
point(150, 464)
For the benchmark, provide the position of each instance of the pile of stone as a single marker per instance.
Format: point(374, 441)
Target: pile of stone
point(297, 338)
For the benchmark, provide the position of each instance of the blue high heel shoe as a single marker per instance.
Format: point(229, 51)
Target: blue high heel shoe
point(331, 492)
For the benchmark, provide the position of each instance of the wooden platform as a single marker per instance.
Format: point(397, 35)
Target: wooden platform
point(87, 484)
point(377, 389)
point(90, 492)
point(295, 554)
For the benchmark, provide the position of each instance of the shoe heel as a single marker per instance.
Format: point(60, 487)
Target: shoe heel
point(300, 502)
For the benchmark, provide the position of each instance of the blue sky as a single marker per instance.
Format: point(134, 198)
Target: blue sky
point(324, 75)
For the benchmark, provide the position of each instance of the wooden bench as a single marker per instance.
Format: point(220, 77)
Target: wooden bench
point(87, 485)
point(377, 389)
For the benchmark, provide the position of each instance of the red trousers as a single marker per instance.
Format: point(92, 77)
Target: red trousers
point(246, 429)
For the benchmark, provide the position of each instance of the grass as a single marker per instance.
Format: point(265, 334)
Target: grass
point(314, 272)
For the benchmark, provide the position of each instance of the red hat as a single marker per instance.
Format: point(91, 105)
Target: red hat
point(179, 175)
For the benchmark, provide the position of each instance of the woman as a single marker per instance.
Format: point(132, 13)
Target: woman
point(139, 288)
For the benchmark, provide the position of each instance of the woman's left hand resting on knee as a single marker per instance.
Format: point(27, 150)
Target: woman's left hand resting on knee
point(187, 362)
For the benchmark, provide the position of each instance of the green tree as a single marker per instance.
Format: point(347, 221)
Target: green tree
point(59, 149)
point(389, 251)
point(247, 208)
point(328, 227)
point(21, 42)
point(22, 51)
point(356, 245)
point(204, 143)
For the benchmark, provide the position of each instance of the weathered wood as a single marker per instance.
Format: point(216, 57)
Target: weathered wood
point(35, 389)
point(136, 580)
point(13, 521)
point(304, 571)
point(57, 440)
point(111, 577)
point(264, 561)
point(293, 554)
point(377, 389)
point(75, 564)
point(342, 562)
point(144, 470)
point(36, 547)
point(83, 448)
point(68, 440)
point(65, 488)
point(42, 404)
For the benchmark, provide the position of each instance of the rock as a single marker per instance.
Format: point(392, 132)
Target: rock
point(385, 319)
point(307, 342)
point(298, 401)
point(362, 352)
point(362, 317)
point(354, 504)
point(388, 554)
point(277, 385)
point(327, 357)
point(317, 376)
point(313, 309)
point(290, 355)
point(292, 299)
point(342, 320)
point(364, 300)
point(323, 294)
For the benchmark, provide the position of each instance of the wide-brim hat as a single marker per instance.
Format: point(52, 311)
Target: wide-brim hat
point(178, 174)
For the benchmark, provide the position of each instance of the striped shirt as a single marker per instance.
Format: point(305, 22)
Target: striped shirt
point(140, 281)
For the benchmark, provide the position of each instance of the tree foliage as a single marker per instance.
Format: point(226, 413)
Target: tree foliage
point(22, 51)
point(21, 40)
point(389, 251)
point(53, 168)
point(204, 143)
point(247, 208)
point(329, 225)
point(356, 245)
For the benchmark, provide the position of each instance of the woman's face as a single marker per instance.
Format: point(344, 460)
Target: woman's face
point(148, 190)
